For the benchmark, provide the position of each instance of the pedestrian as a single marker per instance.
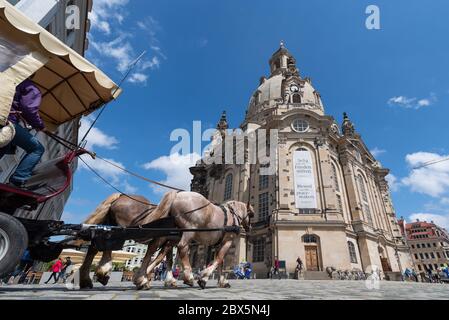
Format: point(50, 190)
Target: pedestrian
point(176, 272)
point(25, 106)
point(63, 274)
point(156, 273)
point(163, 269)
point(26, 262)
point(299, 266)
point(56, 269)
point(277, 265)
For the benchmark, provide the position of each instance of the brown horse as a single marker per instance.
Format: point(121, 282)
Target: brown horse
point(124, 211)
point(193, 211)
point(190, 210)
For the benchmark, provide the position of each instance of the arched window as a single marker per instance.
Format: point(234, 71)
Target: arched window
point(352, 253)
point(309, 238)
point(335, 176)
point(228, 187)
point(296, 98)
point(364, 197)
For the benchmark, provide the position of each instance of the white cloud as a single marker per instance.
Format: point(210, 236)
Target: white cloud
point(138, 78)
point(96, 137)
point(119, 50)
point(105, 12)
point(393, 182)
point(432, 180)
point(377, 152)
point(412, 103)
point(176, 169)
point(441, 220)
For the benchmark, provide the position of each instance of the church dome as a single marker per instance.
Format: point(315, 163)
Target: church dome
point(284, 87)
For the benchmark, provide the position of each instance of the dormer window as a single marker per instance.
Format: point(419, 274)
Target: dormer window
point(296, 98)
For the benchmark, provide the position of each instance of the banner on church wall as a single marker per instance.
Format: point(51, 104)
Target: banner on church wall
point(304, 180)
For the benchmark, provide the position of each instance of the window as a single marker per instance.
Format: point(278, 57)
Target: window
point(438, 255)
point(428, 245)
point(263, 182)
point(419, 267)
point(228, 187)
point(434, 244)
point(413, 246)
point(296, 98)
point(300, 125)
point(352, 253)
point(309, 238)
point(364, 197)
point(259, 250)
point(339, 204)
point(432, 255)
point(334, 173)
point(427, 255)
point(421, 256)
point(416, 256)
point(263, 206)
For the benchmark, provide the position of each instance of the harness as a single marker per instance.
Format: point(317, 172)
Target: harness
point(228, 229)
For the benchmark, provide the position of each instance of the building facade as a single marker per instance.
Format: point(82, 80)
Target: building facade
point(327, 202)
point(51, 15)
point(429, 244)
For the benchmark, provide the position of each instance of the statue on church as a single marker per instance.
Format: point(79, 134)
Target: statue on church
point(347, 126)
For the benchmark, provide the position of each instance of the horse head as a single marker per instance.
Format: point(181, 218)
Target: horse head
point(244, 212)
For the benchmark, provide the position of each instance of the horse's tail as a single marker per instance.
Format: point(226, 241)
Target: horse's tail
point(99, 215)
point(164, 207)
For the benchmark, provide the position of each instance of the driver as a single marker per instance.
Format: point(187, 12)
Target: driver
point(26, 103)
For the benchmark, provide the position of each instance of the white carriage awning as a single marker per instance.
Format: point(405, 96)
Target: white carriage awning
point(71, 86)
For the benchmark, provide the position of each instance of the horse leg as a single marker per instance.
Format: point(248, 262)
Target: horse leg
point(222, 281)
point(166, 248)
point(104, 268)
point(140, 278)
point(205, 274)
point(170, 281)
point(85, 280)
point(183, 249)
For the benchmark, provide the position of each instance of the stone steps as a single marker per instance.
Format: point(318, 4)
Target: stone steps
point(316, 275)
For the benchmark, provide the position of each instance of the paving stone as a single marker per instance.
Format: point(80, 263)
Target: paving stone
point(240, 290)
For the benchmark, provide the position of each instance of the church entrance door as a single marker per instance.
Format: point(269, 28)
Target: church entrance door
point(311, 258)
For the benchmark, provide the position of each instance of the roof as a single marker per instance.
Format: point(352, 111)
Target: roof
point(71, 86)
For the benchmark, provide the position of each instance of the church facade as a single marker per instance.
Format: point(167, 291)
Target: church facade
point(328, 201)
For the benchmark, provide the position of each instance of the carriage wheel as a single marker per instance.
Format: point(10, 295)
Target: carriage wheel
point(13, 242)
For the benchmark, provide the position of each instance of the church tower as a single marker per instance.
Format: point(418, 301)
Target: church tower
point(327, 202)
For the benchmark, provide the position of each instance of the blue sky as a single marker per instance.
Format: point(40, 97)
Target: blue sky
point(207, 56)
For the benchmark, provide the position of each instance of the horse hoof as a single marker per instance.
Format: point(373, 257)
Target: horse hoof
point(202, 283)
point(227, 285)
point(145, 286)
point(190, 283)
point(103, 279)
point(86, 284)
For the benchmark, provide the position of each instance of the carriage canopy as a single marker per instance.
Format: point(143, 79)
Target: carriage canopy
point(71, 86)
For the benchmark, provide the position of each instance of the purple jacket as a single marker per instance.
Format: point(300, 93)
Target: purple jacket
point(27, 100)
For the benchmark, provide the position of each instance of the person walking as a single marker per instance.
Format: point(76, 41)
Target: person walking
point(63, 274)
point(163, 270)
point(277, 265)
point(25, 106)
point(56, 269)
point(299, 266)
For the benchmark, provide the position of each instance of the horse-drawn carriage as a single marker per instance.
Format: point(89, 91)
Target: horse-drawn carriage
point(72, 87)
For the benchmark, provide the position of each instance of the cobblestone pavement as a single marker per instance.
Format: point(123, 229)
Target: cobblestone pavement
point(240, 290)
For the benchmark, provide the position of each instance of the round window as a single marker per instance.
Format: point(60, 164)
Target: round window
point(300, 125)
